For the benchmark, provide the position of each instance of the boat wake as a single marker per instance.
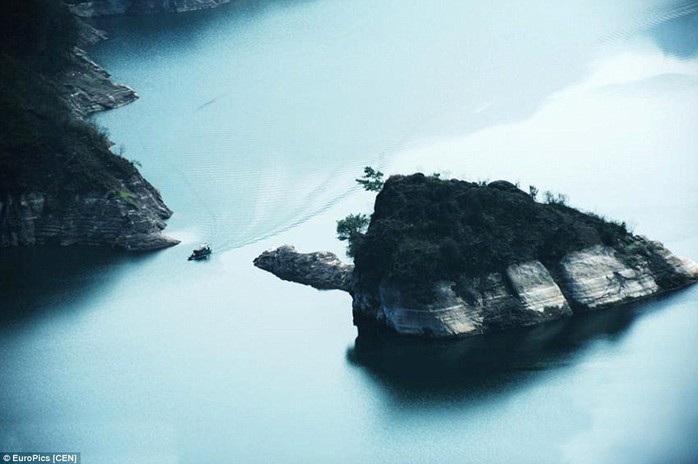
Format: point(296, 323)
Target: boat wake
point(657, 18)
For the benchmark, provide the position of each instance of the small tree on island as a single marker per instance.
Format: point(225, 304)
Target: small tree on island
point(555, 198)
point(352, 229)
point(533, 190)
point(372, 180)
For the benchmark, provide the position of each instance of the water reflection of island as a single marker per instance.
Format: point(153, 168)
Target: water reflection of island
point(417, 372)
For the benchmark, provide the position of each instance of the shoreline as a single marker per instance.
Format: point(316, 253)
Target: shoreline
point(101, 8)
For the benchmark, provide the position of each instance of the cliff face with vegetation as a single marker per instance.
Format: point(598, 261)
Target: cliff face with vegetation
point(443, 258)
point(59, 180)
point(98, 8)
point(448, 257)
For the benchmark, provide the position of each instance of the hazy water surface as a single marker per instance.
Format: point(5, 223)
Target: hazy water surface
point(253, 121)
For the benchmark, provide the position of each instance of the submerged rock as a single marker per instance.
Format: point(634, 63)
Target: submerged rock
point(322, 270)
point(447, 258)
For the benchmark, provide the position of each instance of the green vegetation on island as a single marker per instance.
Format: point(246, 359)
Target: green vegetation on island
point(425, 229)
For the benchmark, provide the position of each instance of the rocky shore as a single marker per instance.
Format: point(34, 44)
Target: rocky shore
point(525, 294)
point(88, 88)
point(75, 191)
point(97, 8)
point(131, 218)
point(455, 299)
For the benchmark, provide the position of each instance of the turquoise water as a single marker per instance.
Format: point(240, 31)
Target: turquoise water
point(253, 121)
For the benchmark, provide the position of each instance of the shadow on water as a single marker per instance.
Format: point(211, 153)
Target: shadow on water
point(187, 27)
point(679, 36)
point(418, 373)
point(34, 280)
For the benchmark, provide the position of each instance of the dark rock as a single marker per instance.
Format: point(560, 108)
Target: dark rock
point(322, 270)
point(443, 258)
point(88, 35)
point(60, 182)
point(504, 185)
point(88, 88)
point(98, 8)
point(132, 218)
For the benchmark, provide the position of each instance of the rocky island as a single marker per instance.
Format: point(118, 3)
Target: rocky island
point(443, 258)
point(60, 183)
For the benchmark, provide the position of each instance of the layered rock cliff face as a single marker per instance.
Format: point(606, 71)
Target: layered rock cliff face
point(99, 8)
point(448, 258)
point(131, 218)
point(444, 258)
point(525, 294)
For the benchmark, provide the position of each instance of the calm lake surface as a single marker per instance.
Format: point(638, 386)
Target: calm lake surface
point(253, 121)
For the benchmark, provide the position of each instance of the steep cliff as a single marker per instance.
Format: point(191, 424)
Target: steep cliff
point(131, 218)
point(448, 257)
point(59, 180)
point(99, 8)
point(445, 258)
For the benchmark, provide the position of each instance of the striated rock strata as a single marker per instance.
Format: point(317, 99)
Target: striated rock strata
point(596, 277)
point(131, 218)
point(525, 294)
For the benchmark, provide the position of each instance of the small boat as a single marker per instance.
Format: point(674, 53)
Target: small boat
point(203, 252)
